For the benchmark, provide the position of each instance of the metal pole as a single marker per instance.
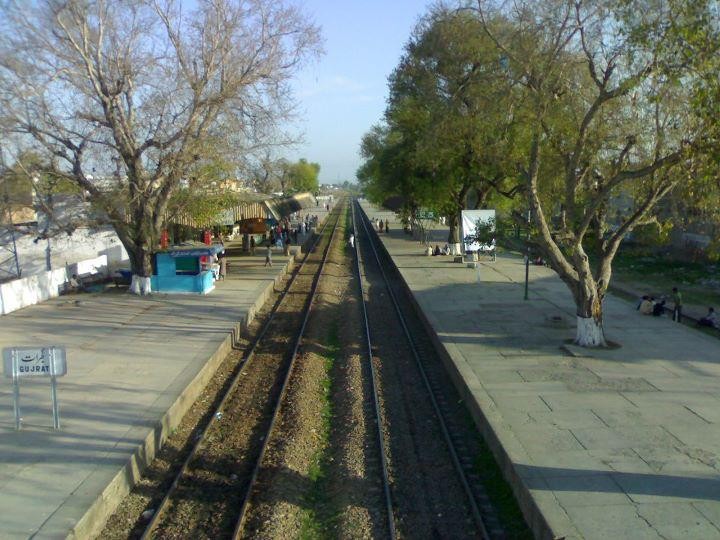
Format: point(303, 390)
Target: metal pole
point(527, 256)
point(12, 235)
point(16, 389)
point(527, 271)
point(53, 389)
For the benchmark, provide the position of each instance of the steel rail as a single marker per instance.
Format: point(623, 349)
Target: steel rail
point(477, 516)
point(373, 383)
point(240, 369)
point(278, 406)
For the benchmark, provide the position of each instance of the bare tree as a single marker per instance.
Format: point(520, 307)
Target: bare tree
point(605, 92)
point(139, 87)
point(265, 173)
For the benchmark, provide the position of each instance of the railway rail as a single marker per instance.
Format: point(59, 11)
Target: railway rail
point(209, 495)
point(440, 515)
point(392, 532)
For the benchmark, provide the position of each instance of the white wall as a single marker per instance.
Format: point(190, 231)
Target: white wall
point(19, 293)
point(87, 252)
point(30, 290)
point(65, 250)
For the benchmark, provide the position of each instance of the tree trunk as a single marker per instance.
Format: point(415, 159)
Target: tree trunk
point(590, 332)
point(453, 234)
point(141, 266)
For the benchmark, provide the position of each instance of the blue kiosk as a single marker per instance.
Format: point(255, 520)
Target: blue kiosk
point(182, 269)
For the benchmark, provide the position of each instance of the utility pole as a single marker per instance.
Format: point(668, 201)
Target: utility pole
point(9, 248)
point(527, 256)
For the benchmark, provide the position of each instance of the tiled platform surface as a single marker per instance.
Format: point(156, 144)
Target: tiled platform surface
point(608, 444)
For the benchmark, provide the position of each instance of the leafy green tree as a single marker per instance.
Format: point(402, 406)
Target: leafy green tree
point(606, 92)
point(449, 126)
point(33, 182)
point(303, 176)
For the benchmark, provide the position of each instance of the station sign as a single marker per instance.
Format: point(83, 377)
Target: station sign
point(34, 362)
point(24, 362)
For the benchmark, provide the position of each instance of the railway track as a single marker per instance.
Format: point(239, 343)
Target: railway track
point(210, 494)
point(370, 440)
point(419, 419)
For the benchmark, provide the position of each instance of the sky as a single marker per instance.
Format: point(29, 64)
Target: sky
point(344, 93)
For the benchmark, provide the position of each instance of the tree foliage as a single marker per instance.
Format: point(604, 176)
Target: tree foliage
point(302, 176)
point(448, 129)
point(608, 115)
point(138, 88)
point(595, 111)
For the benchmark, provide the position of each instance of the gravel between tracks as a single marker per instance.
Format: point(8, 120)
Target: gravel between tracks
point(318, 478)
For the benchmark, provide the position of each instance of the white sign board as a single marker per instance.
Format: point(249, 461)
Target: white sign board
point(34, 362)
point(468, 222)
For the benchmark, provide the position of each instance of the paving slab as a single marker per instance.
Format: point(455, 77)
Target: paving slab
point(135, 365)
point(621, 443)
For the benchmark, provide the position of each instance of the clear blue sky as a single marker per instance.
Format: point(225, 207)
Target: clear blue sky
point(343, 94)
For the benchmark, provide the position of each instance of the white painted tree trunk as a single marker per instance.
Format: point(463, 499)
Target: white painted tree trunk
point(589, 333)
point(455, 249)
point(140, 285)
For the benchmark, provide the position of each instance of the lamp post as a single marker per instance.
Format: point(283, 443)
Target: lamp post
point(527, 256)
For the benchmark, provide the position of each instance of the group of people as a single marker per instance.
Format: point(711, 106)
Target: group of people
point(382, 226)
point(444, 251)
point(648, 305)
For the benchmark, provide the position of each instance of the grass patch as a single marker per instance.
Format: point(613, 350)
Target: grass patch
point(660, 274)
point(316, 521)
point(497, 489)
point(501, 495)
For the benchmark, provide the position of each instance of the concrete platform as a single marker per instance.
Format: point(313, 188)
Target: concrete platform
point(135, 365)
point(605, 444)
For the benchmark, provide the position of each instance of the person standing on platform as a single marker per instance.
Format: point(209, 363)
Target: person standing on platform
point(387, 226)
point(252, 244)
point(351, 241)
point(268, 256)
point(382, 225)
point(222, 261)
point(677, 304)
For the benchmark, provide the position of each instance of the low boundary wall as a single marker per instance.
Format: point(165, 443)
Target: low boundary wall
point(23, 292)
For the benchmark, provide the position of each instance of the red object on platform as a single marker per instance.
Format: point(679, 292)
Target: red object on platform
point(207, 237)
point(164, 239)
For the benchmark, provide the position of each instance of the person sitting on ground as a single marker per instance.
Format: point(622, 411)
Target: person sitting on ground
point(446, 249)
point(437, 250)
point(710, 319)
point(646, 306)
point(659, 308)
point(75, 284)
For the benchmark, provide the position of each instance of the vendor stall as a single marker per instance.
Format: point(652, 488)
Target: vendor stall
point(186, 269)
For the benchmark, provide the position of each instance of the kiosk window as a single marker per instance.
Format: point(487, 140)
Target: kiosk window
point(187, 265)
